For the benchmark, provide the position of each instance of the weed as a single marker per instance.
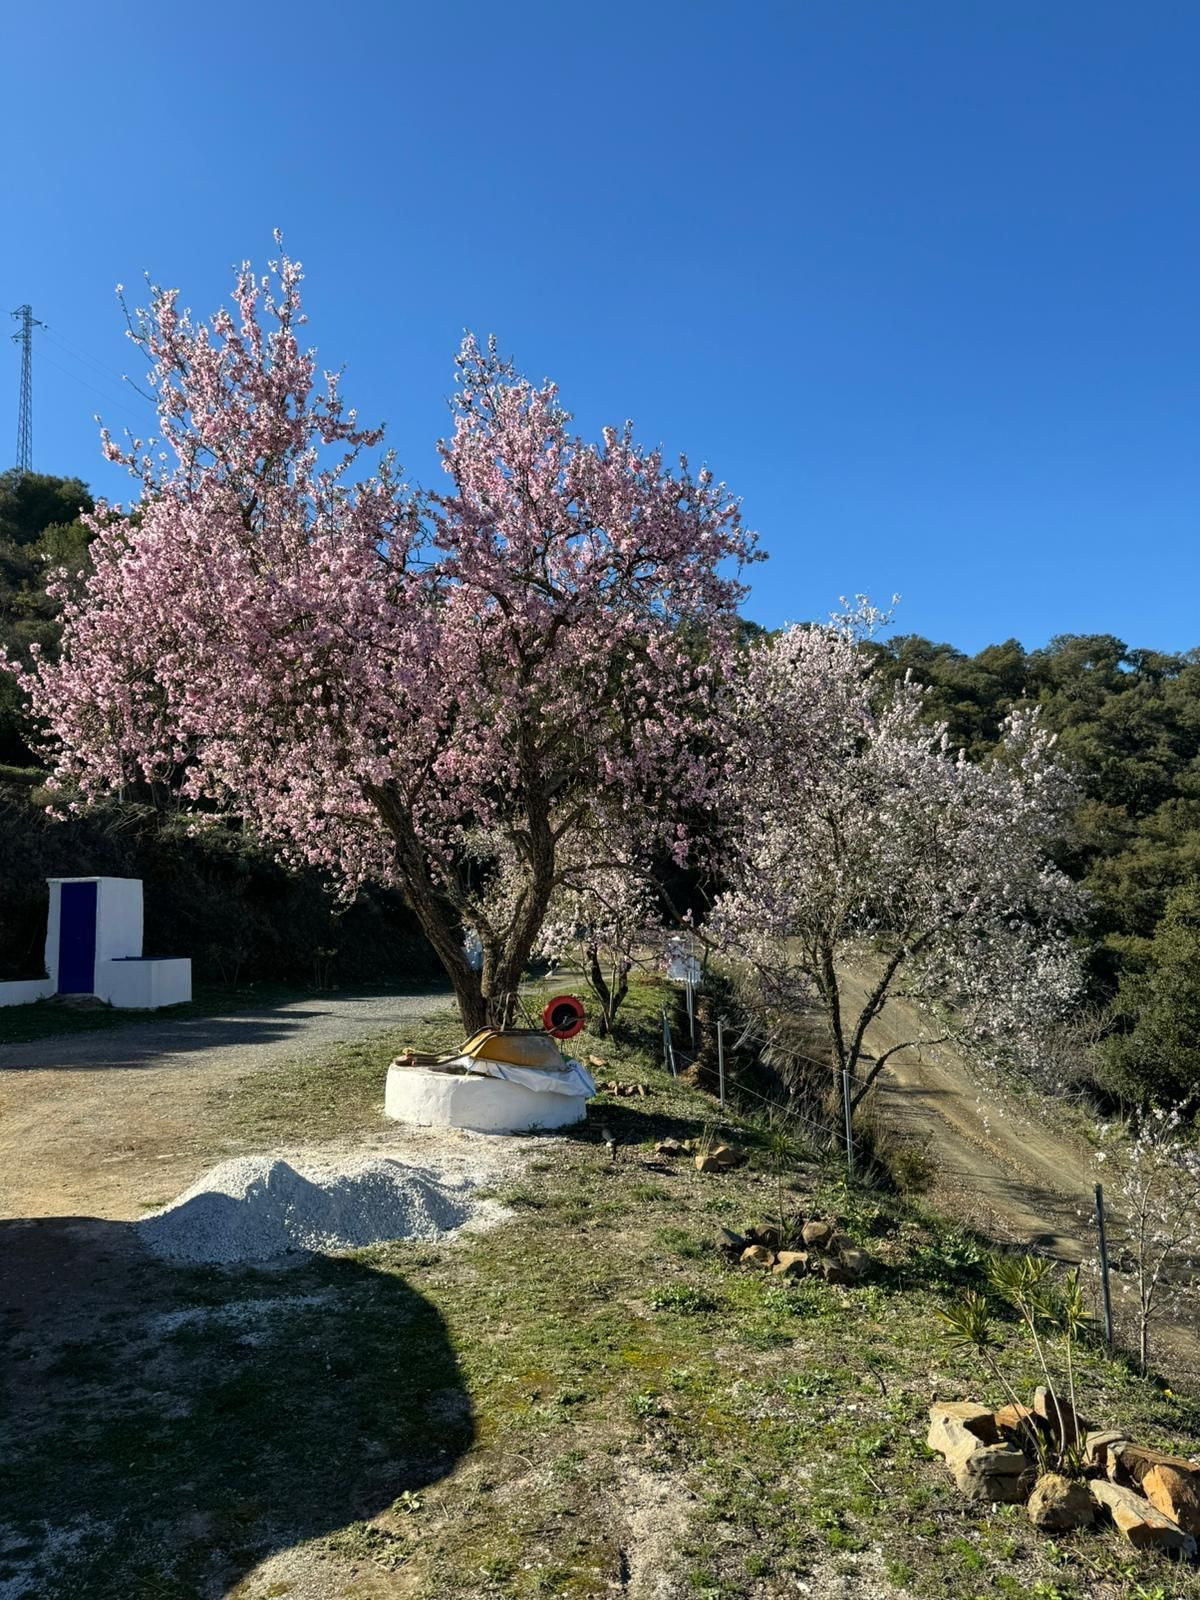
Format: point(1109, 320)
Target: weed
point(683, 1299)
point(364, 1541)
point(910, 1166)
point(682, 1242)
point(969, 1558)
point(648, 1403)
point(648, 1192)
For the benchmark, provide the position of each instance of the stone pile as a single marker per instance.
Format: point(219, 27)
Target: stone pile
point(825, 1251)
point(1153, 1498)
point(707, 1157)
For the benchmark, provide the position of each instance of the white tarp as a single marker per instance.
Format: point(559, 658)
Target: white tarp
point(574, 1079)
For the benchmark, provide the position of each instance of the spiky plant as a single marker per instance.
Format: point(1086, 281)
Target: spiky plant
point(1047, 1309)
point(1026, 1284)
point(967, 1326)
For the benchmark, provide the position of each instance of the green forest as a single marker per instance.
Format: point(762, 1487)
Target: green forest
point(1127, 718)
point(1128, 724)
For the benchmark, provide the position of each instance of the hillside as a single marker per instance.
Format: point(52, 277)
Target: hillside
point(588, 1400)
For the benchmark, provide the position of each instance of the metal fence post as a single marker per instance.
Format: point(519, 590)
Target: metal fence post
point(691, 1004)
point(668, 1045)
point(721, 1059)
point(849, 1134)
point(1108, 1318)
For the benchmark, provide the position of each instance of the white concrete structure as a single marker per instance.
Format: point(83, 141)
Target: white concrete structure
point(94, 946)
point(144, 983)
point(25, 991)
point(429, 1098)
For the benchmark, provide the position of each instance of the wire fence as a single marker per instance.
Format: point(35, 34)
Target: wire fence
point(828, 1132)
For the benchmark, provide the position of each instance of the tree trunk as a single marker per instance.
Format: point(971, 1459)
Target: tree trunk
point(487, 998)
point(598, 986)
point(472, 1009)
point(827, 986)
point(439, 919)
point(505, 959)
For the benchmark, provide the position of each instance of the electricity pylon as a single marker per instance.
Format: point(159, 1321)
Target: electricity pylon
point(24, 315)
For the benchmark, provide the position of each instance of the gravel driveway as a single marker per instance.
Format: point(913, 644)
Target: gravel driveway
point(103, 1124)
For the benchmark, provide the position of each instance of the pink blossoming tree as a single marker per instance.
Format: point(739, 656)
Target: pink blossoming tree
point(452, 693)
point(871, 857)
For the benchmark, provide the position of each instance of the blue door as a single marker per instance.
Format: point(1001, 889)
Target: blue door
point(77, 939)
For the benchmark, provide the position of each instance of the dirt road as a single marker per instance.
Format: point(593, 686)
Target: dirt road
point(104, 1124)
point(1018, 1176)
point(994, 1165)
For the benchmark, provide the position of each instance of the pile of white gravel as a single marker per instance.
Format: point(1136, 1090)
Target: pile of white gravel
point(257, 1208)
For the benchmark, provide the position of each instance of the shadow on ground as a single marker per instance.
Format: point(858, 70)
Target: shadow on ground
point(164, 1430)
point(49, 1036)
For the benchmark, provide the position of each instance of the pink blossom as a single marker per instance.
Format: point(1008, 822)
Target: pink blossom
point(376, 680)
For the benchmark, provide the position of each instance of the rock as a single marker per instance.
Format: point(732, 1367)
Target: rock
point(957, 1425)
point(692, 1146)
point(1097, 1445)
point(728, 1156)
point(791, 1263)
point(595, 1061)
point(709, 1164)
point(983, 1469)
point(1055, 1411)
point(1129, 1463)
point(856, 1262)
point(835, 1272)
point(757, 1255)
point(996, 1473)
point(1176, 1494)
point(1057, 1504)
point(1142, 1524)
point(817, 1235)
point(668, 1147)
point(1014, 1419)
point(764, 1233)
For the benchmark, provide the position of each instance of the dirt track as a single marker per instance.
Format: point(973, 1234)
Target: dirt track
point(104, 1124)
point(997, 1167)
point(994, 1166)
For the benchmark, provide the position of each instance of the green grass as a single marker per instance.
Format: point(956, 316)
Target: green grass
point(22, 777)
point(339, 1095)
point(586, 1392)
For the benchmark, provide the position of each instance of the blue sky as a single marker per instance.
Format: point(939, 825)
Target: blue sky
point(918, 281)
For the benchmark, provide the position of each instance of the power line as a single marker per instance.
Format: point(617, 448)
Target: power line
point(87, 384)
point(78, 354)
point(24, 315)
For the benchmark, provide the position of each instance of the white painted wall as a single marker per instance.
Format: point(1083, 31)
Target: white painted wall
point(146, 983)
point(25, 991)
point(118, 919)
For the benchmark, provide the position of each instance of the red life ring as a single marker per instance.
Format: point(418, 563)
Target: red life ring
point(563, 1017)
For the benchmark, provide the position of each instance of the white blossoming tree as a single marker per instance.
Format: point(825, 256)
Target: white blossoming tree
point(858, 827)
point(601, 918)
point(1155, 1172)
